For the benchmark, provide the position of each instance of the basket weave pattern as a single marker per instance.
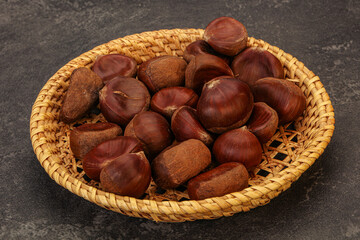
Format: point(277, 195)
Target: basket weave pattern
point(291, 151)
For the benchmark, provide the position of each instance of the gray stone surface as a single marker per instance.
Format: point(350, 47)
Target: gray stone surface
point(38, 37)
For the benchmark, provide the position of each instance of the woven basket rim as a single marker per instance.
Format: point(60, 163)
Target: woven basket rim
point(238, 201)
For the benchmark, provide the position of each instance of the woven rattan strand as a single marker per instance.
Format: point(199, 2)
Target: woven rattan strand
point(291, 151)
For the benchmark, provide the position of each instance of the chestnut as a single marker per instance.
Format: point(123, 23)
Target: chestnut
point(263, 122)
point(202, 47)
point(238, 145)
point(167, 100)
point(226, 35)
point(254, 63)
point(204, 67)
point(128, 175)
point(226, 178)
point(122, 98)
point(282, 95)
point(104, 153)
point(152, 130)
point(82, 94)
point(112, 65)
point(185, 125)
point(161, 72)
point(175, 165)
point(225, 103)
point(84, 137)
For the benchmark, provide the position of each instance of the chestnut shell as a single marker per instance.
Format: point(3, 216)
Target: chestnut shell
point(84, 137)
point(282, 95)
point(185, 125)
point(152, 130)
point(167, 100)
point(226, 35)
point(122, 98)
point(238, 145)
point(112, 65)
point(128, 175)
point(263, 122)
point(104, 153)
point(225, 103)
point(255, 63)
point(204, 67)
point(202, 47)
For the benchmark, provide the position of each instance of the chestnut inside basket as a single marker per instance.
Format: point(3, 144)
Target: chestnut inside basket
point(291, 151)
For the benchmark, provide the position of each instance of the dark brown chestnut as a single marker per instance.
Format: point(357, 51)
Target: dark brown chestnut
point(84, 137)
point(226, 178)
point(167, 100)
point(204, 67)
point(82, 94)
point(177, 164)
point(162, 72)
point(225, 103)
point(185, 125)
point(226, 35)
point(238, 145)
point(122, 98)
point(202, 47)
point(112, 65)
point(263, 122)
point(152, 130)
point(282, 95)
point(128, 175)
point(104, 153)
point(254, 63)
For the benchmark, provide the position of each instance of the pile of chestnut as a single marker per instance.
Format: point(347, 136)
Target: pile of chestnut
point(221, 96)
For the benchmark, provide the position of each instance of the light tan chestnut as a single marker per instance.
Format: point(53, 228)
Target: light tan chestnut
point(226, 178)
point(263, 122)
point(82, 94)
point(282, 95)
point(177, 164)
point(185, 125)
point(161, 72)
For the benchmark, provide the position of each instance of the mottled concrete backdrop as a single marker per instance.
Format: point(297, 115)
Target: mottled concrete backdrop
point(38, 37)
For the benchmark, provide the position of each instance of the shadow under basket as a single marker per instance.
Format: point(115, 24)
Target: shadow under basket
point(291, 151)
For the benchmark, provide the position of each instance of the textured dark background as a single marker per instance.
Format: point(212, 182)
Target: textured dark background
point(38, 37)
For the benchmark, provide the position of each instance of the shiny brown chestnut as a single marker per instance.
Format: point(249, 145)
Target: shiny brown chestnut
point(282, 95)
point(112, 65)
point(254, 63)
point(175, 165)
point(162, 72)
point(226, 178)
point(84, 137)
point(122, 98)
point(263, 122)
point(104, 153)
point(185, 125)
point(204, 67)
point(202, 47)
point(238, 145)
point(152, 130)
point(167, 100)
point(226, 35)
point(225, 103)
point(128, 175)
point(82, 94)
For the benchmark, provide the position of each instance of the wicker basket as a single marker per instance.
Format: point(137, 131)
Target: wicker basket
point(291, 151)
